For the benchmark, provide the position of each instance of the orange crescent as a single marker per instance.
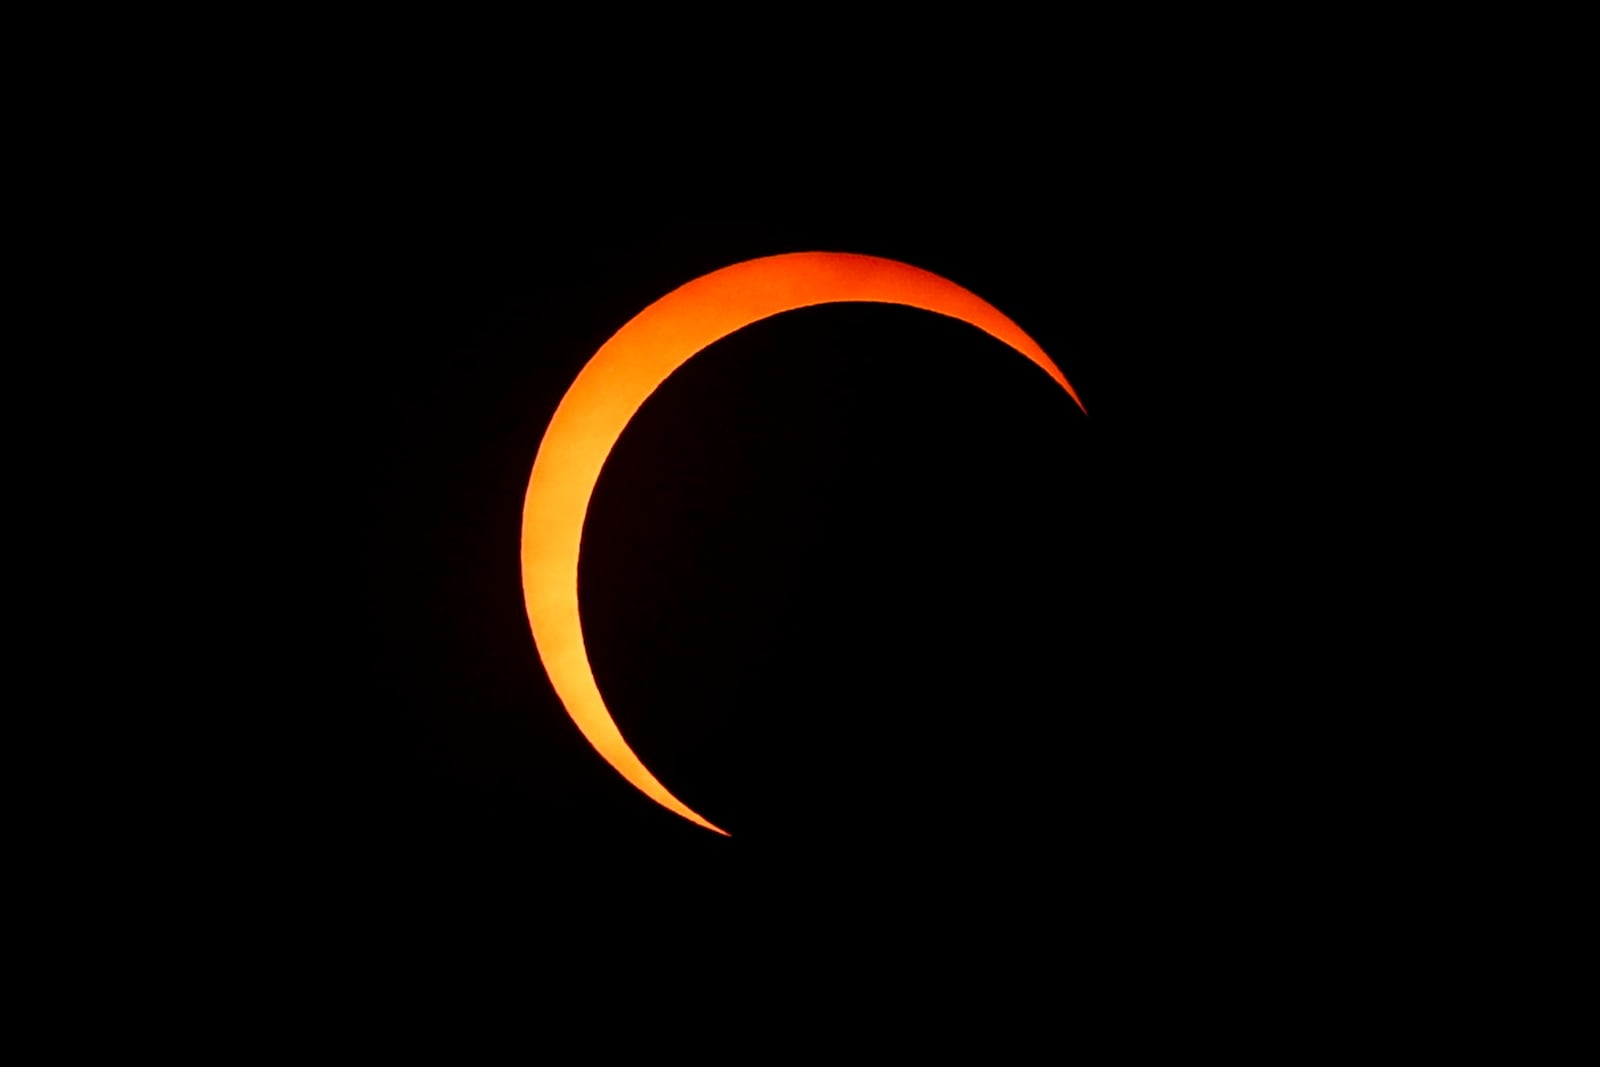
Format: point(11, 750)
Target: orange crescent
point(619, 378)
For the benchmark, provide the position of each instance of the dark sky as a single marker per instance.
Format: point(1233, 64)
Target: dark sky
point(961, 668)
point(957, 665)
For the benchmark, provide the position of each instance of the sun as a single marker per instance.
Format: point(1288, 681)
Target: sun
point(616, 382)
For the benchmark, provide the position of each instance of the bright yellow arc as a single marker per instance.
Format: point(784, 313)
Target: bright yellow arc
point(614, 384)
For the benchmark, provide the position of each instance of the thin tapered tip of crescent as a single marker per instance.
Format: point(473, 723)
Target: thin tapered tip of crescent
point(616, 382)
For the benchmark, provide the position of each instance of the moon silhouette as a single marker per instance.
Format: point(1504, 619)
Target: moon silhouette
point(616, 382)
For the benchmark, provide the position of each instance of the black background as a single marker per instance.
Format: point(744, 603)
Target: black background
point(958, 665)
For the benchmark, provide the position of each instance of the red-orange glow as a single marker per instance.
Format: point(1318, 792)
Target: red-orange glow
point(618, 379)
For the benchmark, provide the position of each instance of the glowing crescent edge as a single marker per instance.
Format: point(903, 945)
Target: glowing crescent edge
point(616, 382)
